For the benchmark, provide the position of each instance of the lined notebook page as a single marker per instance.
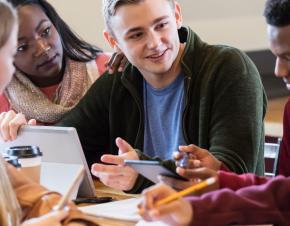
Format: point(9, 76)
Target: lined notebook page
point(122, 210)
point(155, 223)
point(125, 210)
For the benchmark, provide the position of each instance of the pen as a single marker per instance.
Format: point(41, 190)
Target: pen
point(64, 200)
point(186, 191)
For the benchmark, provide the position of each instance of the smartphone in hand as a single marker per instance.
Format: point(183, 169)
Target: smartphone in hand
point(151, 169)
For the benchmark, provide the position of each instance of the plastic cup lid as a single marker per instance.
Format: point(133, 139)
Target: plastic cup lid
point(24, 151)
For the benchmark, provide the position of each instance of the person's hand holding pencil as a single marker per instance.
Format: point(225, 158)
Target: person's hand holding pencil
point(162, 203)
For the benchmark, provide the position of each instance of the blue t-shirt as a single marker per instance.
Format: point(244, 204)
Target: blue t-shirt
point(163, 118)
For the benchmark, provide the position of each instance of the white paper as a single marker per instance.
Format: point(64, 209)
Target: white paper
point(146, 223)
point(122, 210)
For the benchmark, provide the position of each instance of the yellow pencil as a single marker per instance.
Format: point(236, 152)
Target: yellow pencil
point(186, 191)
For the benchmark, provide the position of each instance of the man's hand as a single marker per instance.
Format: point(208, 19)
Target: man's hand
point(194, 176)
point(10, 122)
point(201, 157)
point(115, 174)
point(177, 213)
point(200, 165)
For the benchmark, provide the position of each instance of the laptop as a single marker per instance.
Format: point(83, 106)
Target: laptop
point(59, 145)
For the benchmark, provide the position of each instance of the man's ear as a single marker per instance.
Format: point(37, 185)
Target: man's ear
point(178, 15)
point(111, 40)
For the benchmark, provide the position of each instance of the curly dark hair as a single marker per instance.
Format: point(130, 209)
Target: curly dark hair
point(277, 12)
point(74, 47)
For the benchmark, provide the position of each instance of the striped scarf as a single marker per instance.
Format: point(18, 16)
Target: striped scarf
point(27, 98)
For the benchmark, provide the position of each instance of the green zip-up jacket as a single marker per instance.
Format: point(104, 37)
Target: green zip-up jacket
point(224, 108)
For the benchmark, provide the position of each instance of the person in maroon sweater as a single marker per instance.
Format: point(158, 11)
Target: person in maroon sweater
point(284, 156)
point(240, 199)
point(236, 202)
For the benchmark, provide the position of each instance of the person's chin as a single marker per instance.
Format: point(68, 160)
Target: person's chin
point(51, 71)
point(165, 64)
point(160, 70)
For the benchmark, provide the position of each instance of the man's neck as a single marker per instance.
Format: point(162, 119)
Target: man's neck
point(159, 81)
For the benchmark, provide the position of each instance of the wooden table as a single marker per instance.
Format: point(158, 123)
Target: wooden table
point(103, 191)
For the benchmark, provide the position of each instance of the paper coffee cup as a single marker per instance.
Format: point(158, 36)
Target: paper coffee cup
point(29, 158)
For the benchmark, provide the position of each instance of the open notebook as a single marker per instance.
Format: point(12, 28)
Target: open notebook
point(124, 210)
point(121, 210)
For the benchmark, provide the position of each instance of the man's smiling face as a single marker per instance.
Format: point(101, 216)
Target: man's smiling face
point(147, 34)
